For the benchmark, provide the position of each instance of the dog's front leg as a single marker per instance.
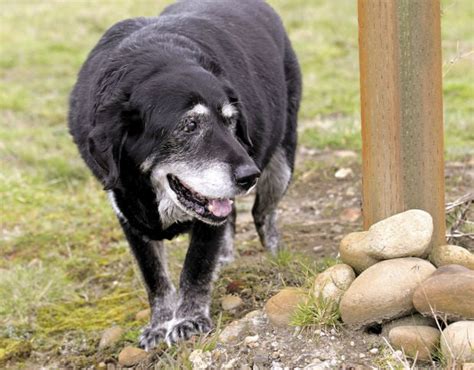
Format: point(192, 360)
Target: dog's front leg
point(192, 314)
point(150, 256)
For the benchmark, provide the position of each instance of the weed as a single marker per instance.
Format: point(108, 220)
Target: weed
point(317, 312)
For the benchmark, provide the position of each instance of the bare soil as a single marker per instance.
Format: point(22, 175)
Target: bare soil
point(316, 213)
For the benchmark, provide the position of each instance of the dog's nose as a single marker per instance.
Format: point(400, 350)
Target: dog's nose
point(246, 176)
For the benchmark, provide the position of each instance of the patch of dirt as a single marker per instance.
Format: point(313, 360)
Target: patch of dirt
point(316, 213)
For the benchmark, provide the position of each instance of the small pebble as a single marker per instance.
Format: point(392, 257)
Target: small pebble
point(251, 340)
point(130, 356)
point(352, 343)
point(231, 302)
point(344, 173)
point(361, 355)
point(318, 248)
point(110, 337)
point(143, 315)
point(374, 351)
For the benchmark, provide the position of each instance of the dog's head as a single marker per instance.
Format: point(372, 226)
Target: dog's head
point(185, 129)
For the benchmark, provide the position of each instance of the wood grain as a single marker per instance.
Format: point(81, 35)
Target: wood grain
point(402, 109)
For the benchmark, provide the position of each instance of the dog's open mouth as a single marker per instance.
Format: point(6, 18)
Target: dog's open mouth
point(215, 210)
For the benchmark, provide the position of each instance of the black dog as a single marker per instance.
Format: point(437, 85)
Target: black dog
point(177, 115)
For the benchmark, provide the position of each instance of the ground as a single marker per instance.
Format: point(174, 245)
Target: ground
point(66, 273)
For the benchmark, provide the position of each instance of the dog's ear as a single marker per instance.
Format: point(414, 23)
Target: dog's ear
point(242, 122)
point(109, 116)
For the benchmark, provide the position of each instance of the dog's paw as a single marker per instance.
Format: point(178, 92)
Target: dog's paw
point(187, 327)
point(151, 336)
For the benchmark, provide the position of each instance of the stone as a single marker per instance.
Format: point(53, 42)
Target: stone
point(412, 320)
point(344, 173)
point(384, 291)
point(457, 342)
point(255, 318)
point(350, 214)
point(351, 253)
point(231, 302)
point(110, 336)
point(406, 234)
point(143, 315)
point(233, 331)
point(201, 360)
point(332, 283)
point(238, 328)
point(130, 356)
point(415, 341)
point(280, 307)
point(452, 254)
point(449, 293)
point(251, 340)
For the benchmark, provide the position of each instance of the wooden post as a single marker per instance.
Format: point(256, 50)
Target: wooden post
point(402, 109)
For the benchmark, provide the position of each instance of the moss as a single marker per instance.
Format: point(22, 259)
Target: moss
point(11, 349)
point(118, 308)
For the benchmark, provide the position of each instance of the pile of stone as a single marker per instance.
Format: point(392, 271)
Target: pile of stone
point(423, 298)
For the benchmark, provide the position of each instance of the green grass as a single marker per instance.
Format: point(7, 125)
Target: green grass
point(53, 211)
point(317, 312)
point(324, 34)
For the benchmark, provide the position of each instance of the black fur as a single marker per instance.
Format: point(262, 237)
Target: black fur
point(129, 102)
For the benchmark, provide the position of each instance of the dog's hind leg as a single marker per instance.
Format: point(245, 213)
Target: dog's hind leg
point(276, 176)
point(271, 187)
point(192, 314)
point(151, 259)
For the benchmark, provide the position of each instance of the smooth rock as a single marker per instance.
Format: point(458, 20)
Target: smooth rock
point(231, 302)
point(332, 283)
point(353, 255)
point(457, 342)
point(233, 331)
point(416, 341)
point(452, 254)
point(130, 356)
point(344, 173)
point(200, 360)
point(238, 328)
point(110, 336)
point(281, 306)
point(384, 291)
point(143, 315)
point(256, 318)
point(406, 234)
point(412, 320)
point(448, 292)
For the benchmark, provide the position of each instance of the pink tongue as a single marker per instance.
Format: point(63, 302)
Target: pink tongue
point(220, 207)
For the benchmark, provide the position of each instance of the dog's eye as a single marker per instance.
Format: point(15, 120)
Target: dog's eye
point(190, 126)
